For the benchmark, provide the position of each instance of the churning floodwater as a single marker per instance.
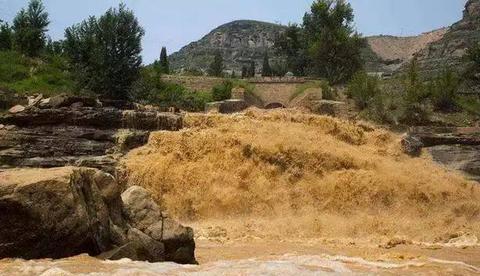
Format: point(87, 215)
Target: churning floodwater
point(282, 265)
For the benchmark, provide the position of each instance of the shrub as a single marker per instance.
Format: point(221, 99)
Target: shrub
point(415, 95)
point(151, 89)
point(328, 93)
point(378, 109)
point(13, 67)
point(362, 89)
point(222, 91)
point(470, 104)
point(472, 57)
point(443, 91)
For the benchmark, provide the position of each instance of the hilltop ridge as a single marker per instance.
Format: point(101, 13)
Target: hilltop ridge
point(239, 41)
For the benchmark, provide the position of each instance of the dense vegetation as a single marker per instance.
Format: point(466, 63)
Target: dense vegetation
point(410, 100)
point(105, 52)
point(99, 56)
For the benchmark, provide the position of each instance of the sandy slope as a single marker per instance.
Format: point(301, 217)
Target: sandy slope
point(403, 48)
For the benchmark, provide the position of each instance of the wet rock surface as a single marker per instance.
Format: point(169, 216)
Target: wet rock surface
point(456, 148)
point(62, 212)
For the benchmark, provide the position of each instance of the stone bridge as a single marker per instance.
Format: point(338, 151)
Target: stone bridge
point(276, 94)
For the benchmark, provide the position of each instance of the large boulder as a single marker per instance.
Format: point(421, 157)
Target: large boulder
point(62, 212)
point(54, 214)
point(144, 214)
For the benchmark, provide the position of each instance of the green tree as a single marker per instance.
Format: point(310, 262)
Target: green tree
point(415, 96)
point(266, 70)
point(443, 91)
point(54, 47)
point(164, 65)
point(106, 52)
point(244, 72)
point(29, 28)
point(216, 67)
point(5, 36)
point(333, 46)
point(251, 69)
point(291, 45)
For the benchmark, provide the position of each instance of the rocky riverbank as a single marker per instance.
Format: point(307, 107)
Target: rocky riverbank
point(75, 131)
point(455, 148)
point(58, 192)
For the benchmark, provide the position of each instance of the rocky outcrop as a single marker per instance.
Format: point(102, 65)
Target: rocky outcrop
point(102, 118)
point(61, 212)
point(456, 148)
point(240, 42)
point(144, 214)
point(449, 51)
point(77, 135)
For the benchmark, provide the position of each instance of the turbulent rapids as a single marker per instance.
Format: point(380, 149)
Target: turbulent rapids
point(287, 174)
point(283, 265)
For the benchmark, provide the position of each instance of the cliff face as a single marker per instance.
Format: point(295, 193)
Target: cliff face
point(448, 51)
point(239, 42)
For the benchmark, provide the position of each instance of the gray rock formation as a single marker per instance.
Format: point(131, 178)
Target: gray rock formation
point(144, 214)
point(448, 51)
point(62, 212)
point(239, 42)
point(456, 148)
point(78, 136)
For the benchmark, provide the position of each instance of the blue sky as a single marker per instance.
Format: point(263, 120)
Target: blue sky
point(176, 23)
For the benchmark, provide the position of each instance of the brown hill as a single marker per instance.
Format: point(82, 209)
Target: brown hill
point(393, 51)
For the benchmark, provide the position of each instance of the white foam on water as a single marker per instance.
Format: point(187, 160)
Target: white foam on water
point(456, 263)
point(281, 265)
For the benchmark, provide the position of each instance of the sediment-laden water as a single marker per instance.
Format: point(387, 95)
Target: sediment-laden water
point(281, 265)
